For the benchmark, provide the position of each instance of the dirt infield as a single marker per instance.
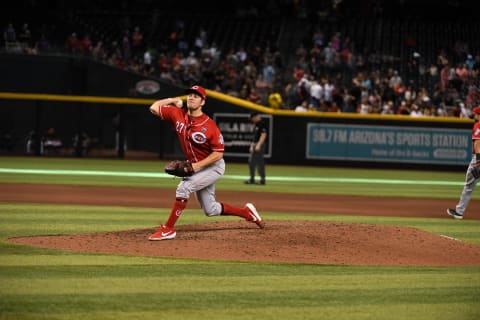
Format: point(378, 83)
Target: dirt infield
point(280, 241)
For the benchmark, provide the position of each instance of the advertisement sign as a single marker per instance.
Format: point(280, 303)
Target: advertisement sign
point(388, 143)
point(237, 131)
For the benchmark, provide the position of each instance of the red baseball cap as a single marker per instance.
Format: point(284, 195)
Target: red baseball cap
point(198, 90)
point(476, 110)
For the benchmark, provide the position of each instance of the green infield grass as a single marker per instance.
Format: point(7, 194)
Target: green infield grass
point(39, 283)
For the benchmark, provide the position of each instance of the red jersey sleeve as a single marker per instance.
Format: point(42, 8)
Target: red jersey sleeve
point(170, 113)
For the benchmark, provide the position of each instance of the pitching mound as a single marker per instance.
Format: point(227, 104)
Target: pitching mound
point(280, 241)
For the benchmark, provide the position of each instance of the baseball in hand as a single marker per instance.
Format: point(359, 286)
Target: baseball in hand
point(179, 102)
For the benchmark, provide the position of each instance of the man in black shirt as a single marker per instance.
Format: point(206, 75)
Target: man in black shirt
point(257, 150)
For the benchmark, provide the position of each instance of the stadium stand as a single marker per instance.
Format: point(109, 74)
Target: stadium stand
point(205, 42)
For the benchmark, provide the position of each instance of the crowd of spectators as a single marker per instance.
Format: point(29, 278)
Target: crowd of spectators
point(332, 75)
point(329, 72)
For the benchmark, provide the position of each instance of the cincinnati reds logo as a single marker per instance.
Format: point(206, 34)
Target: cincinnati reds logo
point(199, 137)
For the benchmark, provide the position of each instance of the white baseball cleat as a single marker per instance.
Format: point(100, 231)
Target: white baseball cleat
point(255, 217)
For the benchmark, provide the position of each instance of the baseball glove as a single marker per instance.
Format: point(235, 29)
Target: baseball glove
point(179, 168)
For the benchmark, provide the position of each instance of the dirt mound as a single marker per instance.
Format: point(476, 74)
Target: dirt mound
point(280, 241)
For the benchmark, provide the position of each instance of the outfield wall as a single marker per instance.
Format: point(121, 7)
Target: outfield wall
point(81, 95)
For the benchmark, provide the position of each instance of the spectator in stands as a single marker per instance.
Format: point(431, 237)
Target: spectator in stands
point(365, 107)
point(200, 41)
point(336, 41)
point(302, 107)
point(454, 80)
point(442, 59)
point(316, 95)
point(409, 95)
point(432, 75)
point(444, 77)
point(86, 45)
point(137, 42)
point(387, 108)
point(191, 61)
point(98, 51)
point(463, 73)
point(253, 96)
point(25, 38)
point(415, 111)
point(302, 85)
point(263, 88)
point(375, 100)
point(350, 98)
point(464, 111)
point(10, 38)
point(241, 55)
point(473, 95)
point(314, 66)
point(318, 38)
point(442, 110)
point(470, 62)
point(395, 80)
point(42, 45)
point(126, 47)
point(330, 56)
point(147, 59)
point(72, 44)
point(404, 108)
point(333, 107)
point(289, 94)
point(328, 89)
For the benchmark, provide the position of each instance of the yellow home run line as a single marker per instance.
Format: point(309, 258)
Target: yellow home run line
point(232, 177)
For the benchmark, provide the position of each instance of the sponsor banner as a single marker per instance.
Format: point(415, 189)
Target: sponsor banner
point(237, 131)
point(147, 87)
point(388, 143)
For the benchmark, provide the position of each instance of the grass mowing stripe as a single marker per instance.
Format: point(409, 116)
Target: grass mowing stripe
point(117, 284)
point(213, 300)
point(75, 266)
point(232, 177)
point(359, 312)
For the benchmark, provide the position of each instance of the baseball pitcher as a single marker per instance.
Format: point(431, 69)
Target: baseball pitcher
point(202, 143)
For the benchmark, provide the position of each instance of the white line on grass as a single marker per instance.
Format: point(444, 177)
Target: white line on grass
point(232, 177)
point(451, 238)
